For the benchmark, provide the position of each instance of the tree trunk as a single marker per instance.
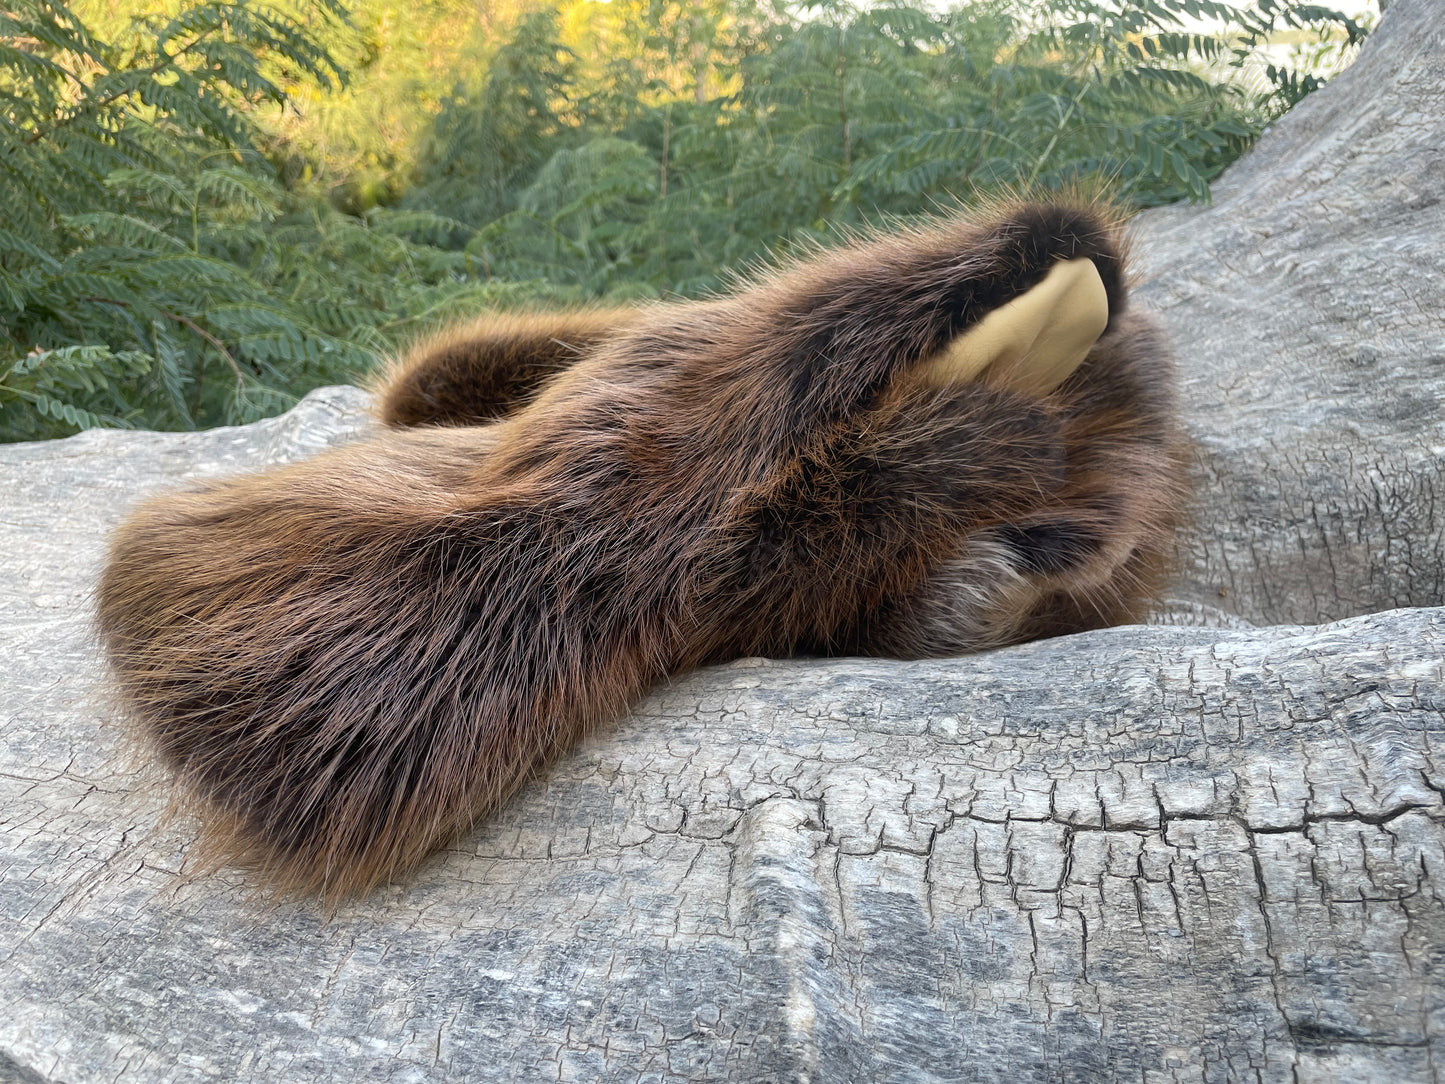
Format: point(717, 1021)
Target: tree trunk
point(1308, 306)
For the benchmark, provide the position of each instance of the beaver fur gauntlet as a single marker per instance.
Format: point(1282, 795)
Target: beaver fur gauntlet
point(932, 442)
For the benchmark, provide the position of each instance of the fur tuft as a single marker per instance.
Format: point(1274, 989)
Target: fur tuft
point(478, 371)
point(345, 662)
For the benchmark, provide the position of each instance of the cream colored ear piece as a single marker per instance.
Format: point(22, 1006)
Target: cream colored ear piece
point(1035, 341)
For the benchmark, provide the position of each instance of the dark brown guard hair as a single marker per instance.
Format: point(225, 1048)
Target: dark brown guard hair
point(345, 662)
point(480, 370)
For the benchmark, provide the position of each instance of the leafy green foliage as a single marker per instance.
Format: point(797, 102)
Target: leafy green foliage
point(153, 270)
point(173, 254)
point(860, 114)
point(491, 136)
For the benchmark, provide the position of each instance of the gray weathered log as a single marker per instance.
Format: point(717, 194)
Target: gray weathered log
point(1309, 307)
point(1142, 854)
point(1145, 854)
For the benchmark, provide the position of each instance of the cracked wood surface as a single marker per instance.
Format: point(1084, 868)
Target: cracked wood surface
point(1145, 854)
point(1308, 308)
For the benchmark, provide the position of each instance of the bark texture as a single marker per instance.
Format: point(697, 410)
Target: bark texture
point(1146, 854)
point(1308, 307)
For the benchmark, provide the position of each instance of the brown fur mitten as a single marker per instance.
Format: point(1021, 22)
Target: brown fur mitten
point(909, 446)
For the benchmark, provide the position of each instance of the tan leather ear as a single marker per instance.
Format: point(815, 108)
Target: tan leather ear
point(1032, 343)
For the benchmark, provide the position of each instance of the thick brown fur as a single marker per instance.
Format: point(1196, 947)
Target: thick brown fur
point(347, 661)
point(478, 371)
